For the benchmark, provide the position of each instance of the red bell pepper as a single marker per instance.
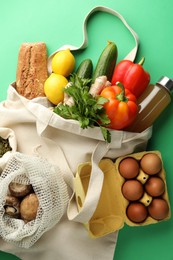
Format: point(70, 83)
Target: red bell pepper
point(132, 76)
point(121, 107)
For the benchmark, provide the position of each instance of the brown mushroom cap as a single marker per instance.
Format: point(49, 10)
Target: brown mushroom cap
point(28, 207)
point(12, 206)
point(19, 190)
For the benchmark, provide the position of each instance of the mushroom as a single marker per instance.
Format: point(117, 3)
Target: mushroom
point(28, 207)
point(19, 190)
point(12, 206)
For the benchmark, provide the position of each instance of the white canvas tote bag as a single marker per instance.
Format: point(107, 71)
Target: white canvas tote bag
point(40, 132)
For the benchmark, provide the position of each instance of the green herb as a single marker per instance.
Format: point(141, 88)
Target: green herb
point(4, 146)
point(89, 111)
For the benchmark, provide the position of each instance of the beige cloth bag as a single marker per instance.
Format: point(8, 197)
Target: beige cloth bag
point(62, 142)
point(67, 239)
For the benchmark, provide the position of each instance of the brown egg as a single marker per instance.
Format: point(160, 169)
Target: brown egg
point(132, 190)
point(151, 163)
point(129, 168)
point(158, 209)
point(136, 212)
point(155, 186)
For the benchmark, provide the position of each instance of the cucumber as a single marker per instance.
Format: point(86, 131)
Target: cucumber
point(85, 69)
point(106, 62)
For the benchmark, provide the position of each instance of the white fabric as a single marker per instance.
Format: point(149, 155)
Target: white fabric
point(49, 186)
point(64, 139)
point(31, 120)
point(130, 56)
point(62, 142)
point(67, 239)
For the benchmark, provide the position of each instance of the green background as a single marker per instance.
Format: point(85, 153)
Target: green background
point(59, 22)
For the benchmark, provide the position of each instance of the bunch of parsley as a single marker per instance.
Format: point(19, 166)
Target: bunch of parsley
point(88, 110)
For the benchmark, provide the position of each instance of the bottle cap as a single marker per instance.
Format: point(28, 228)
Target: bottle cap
point(166, 82)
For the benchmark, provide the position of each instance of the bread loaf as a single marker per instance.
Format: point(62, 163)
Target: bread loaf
point(31, 70)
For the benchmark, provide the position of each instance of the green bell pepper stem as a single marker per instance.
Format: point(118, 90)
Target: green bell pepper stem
point(141, 61)
point(121, 97)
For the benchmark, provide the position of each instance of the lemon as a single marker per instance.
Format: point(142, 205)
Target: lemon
point(63, 63)
point(54, 88)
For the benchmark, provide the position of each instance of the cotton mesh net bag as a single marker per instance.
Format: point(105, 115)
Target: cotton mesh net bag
point(50, 188)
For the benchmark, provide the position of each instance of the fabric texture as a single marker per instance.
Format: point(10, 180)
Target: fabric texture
point(65, 234)
point(40, 132)
point(48, 185)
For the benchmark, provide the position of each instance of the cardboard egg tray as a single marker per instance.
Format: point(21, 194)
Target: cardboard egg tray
point(110, 214)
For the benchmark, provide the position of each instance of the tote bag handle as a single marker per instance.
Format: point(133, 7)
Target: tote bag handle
point(97, 176)
point(131, 55)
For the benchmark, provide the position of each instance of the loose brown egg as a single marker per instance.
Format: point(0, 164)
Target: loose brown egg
point(158, 209)
point(129, 168)
point(132, 190)
point(155, 186)
point(151, 163)
point(136, 212)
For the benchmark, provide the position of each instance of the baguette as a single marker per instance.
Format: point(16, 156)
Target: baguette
point(31, 70)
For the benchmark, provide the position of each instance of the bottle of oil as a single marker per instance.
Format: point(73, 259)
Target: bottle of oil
point(151, 103)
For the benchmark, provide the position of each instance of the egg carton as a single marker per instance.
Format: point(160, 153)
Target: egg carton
point(111, 212)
